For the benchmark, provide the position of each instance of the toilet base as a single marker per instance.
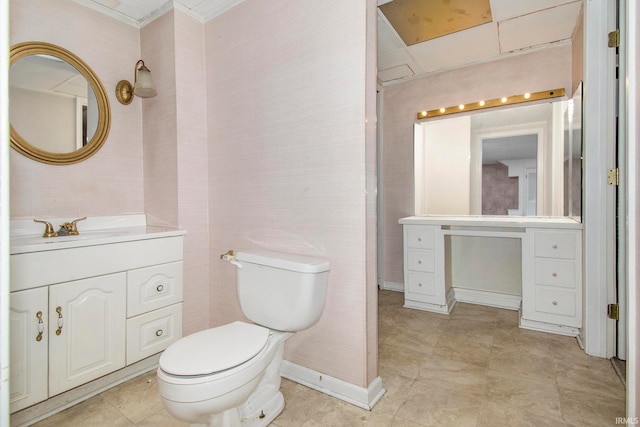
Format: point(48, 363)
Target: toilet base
point(264, 404)
point(271, 410)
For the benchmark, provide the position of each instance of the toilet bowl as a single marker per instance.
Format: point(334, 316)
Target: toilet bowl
point(229, 376)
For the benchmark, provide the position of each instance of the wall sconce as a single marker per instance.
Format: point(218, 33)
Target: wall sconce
point(142, 85)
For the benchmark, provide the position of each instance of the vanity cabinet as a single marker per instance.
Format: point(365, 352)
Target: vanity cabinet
point(120, 303)
point(424, 269)
point(552, 277)
point(65, 335)
point(29, 347)
point(550, 267)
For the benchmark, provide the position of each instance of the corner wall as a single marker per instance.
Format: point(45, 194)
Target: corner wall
point(291, 158)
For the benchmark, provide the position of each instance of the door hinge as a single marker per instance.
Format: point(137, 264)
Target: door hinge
point(613, 176)
point(614, 38)
point(613, 311)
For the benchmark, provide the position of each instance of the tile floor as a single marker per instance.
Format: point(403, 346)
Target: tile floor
point(472, 368)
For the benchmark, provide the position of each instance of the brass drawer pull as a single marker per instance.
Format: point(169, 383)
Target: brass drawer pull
point(159, 332)
point(60, 320)
point(40, 326)
point(160, 288)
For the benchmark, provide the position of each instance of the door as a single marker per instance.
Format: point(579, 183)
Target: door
point(87, 330)
point(28, 342)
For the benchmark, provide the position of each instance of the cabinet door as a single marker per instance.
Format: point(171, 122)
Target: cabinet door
point(28, 348)
point(87, 330)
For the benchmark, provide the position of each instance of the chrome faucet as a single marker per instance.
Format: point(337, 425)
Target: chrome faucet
point(66, 229)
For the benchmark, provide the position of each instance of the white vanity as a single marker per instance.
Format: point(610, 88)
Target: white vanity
point(549, 257)
point(91, 306)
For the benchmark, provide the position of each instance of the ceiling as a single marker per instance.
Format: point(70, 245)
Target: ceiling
point(455, 32)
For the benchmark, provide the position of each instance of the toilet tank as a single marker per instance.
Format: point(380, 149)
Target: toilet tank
point(281, 291)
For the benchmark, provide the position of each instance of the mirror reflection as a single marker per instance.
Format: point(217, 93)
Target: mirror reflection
point(522, 161)
point(59, 111)
point(52, 104)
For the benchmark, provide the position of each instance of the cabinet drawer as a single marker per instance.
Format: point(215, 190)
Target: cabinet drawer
point(555, 245)
point(557, 302)
point(421, 260)
point(422, 283)
point(421, 237)
point(150, 333)
point(153, 287)
point(555, 273)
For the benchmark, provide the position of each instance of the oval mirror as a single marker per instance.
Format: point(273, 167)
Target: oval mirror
point(58, 110)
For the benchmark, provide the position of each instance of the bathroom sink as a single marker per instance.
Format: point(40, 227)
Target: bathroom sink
point(89, 235)
point(27, 235)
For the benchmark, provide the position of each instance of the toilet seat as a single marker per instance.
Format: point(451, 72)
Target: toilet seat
point(214, 350)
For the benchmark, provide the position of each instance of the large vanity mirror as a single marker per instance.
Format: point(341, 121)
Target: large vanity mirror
point(59, 111)
point(518, 161)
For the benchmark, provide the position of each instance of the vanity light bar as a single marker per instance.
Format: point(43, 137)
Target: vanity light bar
point(516, 99)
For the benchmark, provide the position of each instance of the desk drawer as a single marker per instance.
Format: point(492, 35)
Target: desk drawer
point(557, 302)
point(422, 284)
point(550, 244)
point(421, 260)
point(420, 237)
point(555, 272)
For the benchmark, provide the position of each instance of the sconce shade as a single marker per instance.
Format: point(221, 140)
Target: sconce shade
point(143, 85)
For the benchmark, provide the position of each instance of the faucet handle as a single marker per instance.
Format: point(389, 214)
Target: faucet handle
point(48, 228)
point(72, 227)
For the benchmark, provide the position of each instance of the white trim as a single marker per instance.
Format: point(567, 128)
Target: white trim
point(4, 215)
point(550, 327)
point(392, 286)
point(630, 18)
point(492, 299)
point(598, 239)
point(364, 398)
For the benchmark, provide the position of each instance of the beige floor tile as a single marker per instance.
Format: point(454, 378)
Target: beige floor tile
point(136, 399)
point(528, 397)
point(523, 364)
point(93, 412)
point(460, 349)
point(587, 409)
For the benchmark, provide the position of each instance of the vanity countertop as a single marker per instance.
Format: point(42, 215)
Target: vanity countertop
point(494, 221)
point(26, 236)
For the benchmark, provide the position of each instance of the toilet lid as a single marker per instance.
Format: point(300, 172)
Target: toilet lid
point(214, 350)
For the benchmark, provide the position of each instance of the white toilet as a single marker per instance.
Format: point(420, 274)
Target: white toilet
point(229, 376)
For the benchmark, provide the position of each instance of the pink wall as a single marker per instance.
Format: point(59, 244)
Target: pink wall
point(291, 107)
point(154, 160)
point(110, 182)
point(262, 135)
point(532, 72)
point(175, 149)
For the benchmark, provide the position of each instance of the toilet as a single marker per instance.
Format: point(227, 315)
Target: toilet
point(230, 375)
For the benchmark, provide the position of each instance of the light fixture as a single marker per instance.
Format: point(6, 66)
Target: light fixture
point(142, 85)
point(516, 99)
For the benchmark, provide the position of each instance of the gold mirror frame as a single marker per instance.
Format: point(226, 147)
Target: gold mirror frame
point(19, 144)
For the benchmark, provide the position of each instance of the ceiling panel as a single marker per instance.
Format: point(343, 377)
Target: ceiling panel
point(506, 9)
point(536, 29)
point(456, 49)
point(418, 20)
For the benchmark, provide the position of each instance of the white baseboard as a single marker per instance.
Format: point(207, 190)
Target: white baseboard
point(365, 398)
point(492, 299)
point(392, 286)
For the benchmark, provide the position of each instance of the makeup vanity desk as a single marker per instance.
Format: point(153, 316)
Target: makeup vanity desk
point(551, 250)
